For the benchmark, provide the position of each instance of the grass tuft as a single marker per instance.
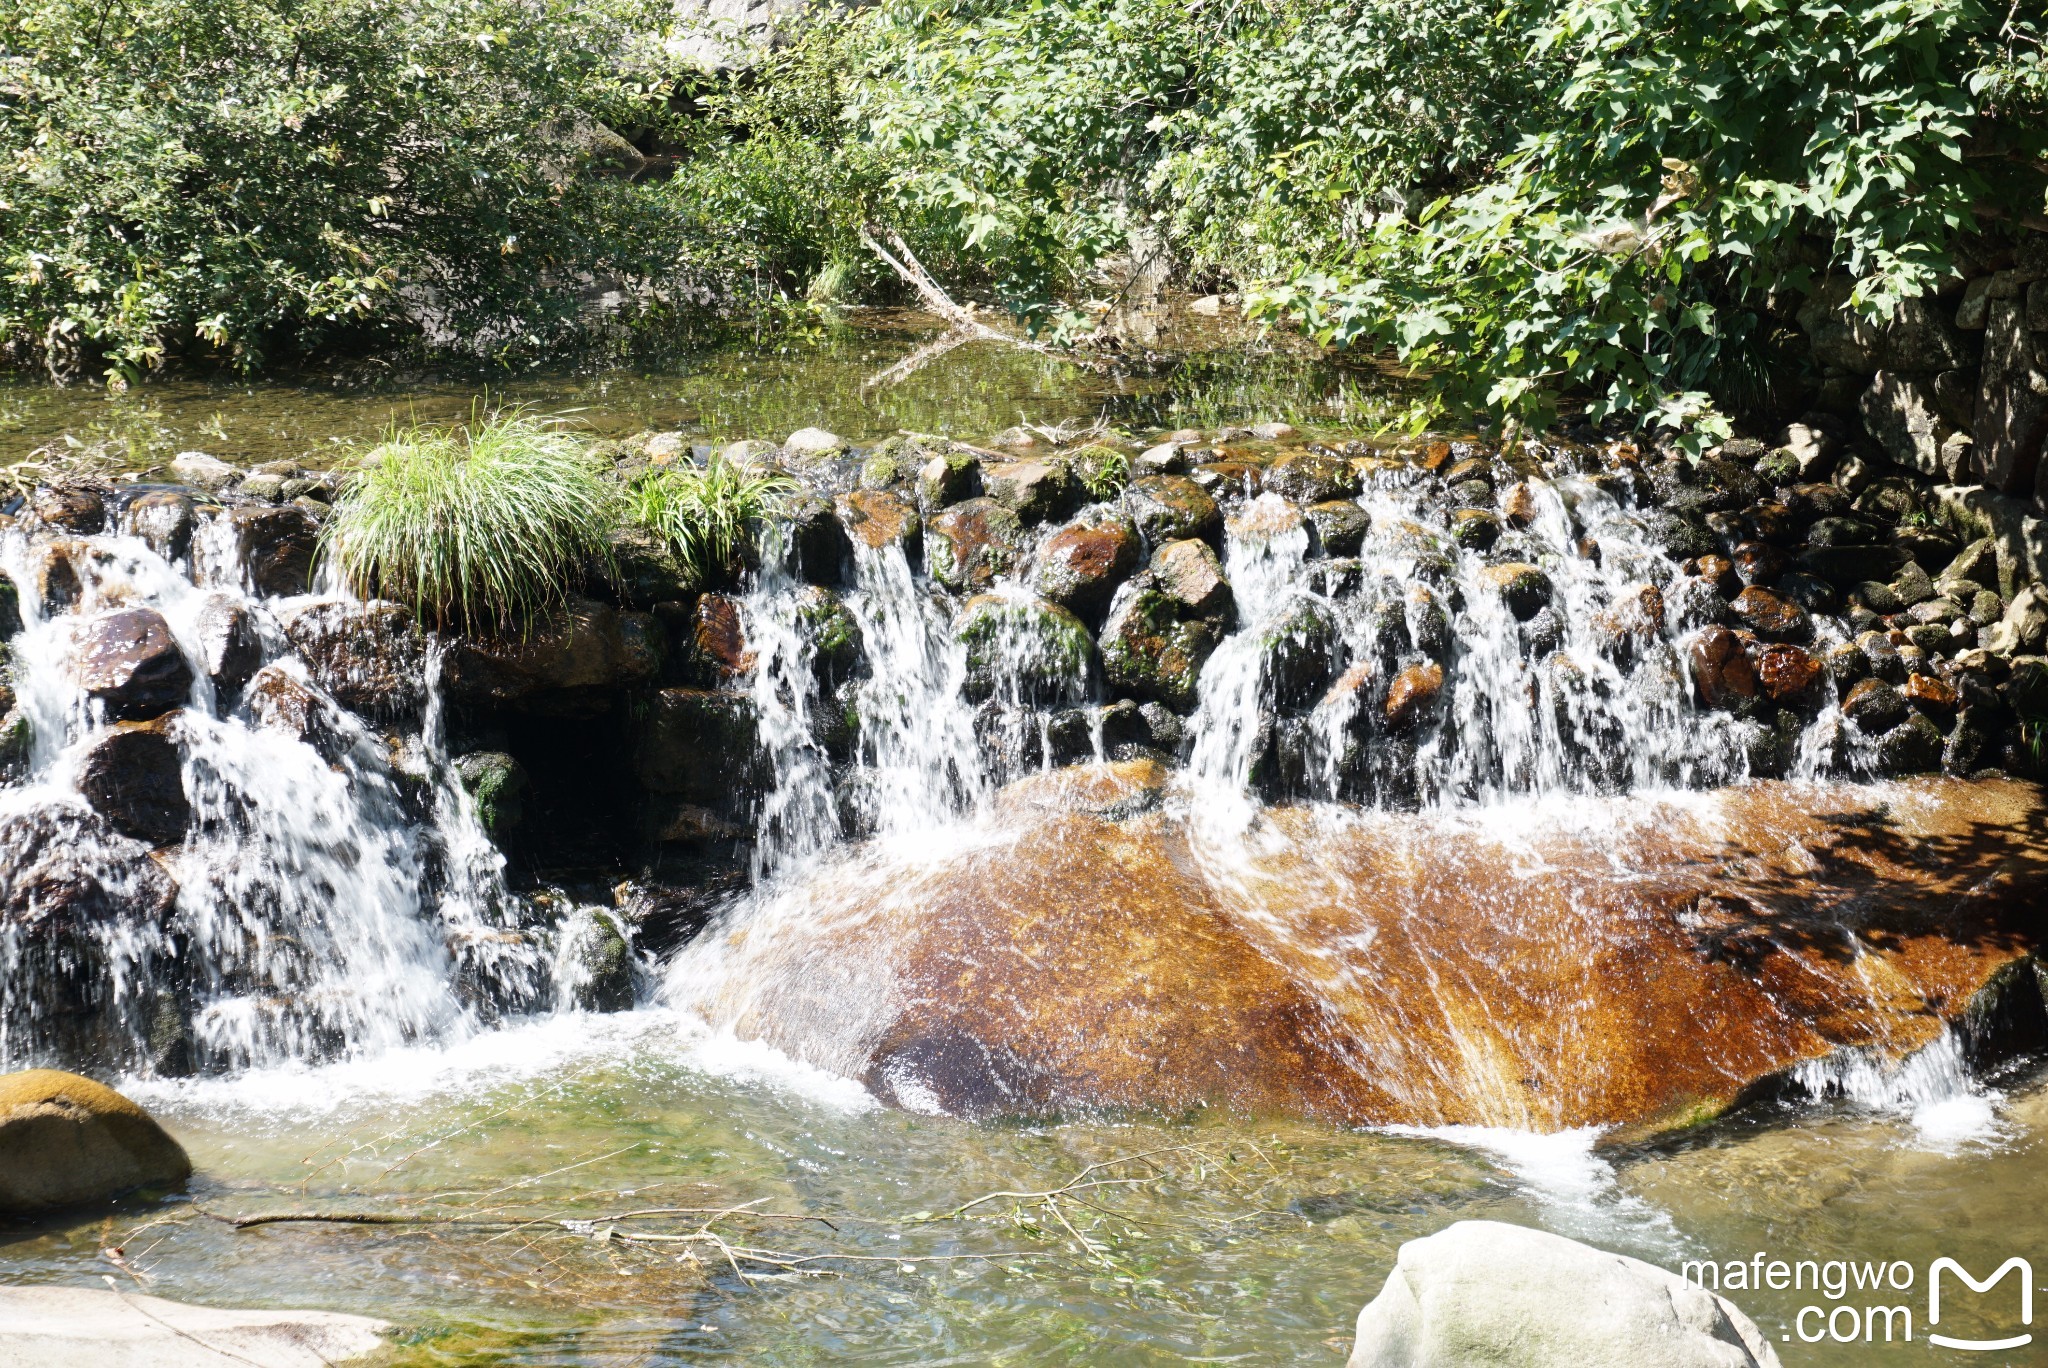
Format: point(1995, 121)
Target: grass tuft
point(482, 527)
point(710, 514)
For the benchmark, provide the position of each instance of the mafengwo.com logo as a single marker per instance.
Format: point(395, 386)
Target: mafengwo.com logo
point(1871, 1302)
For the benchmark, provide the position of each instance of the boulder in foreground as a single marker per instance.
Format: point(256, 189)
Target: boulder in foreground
point(1485, 1294)
point(82, 1327)
point(66, 1141)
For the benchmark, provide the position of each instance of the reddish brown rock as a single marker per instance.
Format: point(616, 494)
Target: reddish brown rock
point(1771, 616)
point(1634, 620)
point(971, 543)
point(1412, 697)
point(1930, 695)
point(879, 518)
point(1080, 567)
point(133, 776)
point(274, 547)
point(1760, 563)
point(1721, 671)
point(1719, 571)
point(1787, 673)
point(1518, 505)
point(720, 636)
point(1635, 964)
point(130, 663)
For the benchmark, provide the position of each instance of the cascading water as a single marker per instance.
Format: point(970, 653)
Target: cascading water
point(316, 889)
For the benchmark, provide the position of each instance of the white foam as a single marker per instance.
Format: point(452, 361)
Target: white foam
point(1558, 1166)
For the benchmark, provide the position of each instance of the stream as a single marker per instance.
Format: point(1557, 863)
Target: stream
point(387, 1026)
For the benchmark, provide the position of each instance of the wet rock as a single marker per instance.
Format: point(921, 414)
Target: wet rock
point(1721, 671)
point(274, 548)
point(1810, 592)
point(715, 652)
point(1681, 535)
point(1036, 491)
point(56, 578)
point(1299, 654)
point(497, 785)
point(1310, 477)
point(1913, 747)
point(66, 1141)
point(1484, 1292)
point(1079, 567)
point(1475, 529)
point(230, 644)
point(1152, 647)
point(1843, 566)
point(565, 662)
point(1632, 623)
point(880, 519)
point(1337, 527)
point(1171, 508)
point(279, 700)
point(1519, 506)
point(133, 776)
point(1024, 650)
point(10, 609)
point(833, 636)
point(1101, 963)
point(164, 520)
point(969, 544)
point(819, 549)
point(67, 508)
point(130, 664)
point(1523, 588)
point(1846, 664)
point(1413, 696)
point(371, 657)
point(1189, 573)
point(1759, 563)
point(703, 747)
point(1875, 706)
point(1789, 675)
point(1229, 479)
point(1930, 695)
point(1771, 617)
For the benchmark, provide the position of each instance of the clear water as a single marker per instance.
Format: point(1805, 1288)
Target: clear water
point(515, 1149)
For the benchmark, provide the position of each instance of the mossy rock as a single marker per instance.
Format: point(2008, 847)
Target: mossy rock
point(969, 544)
point(838, 652)
point(1300, 654)
point(947, 477)
point(1150, 651)
point(10, 609)
point(66, 1141)
point(1034, 650)
point(497, 786)
point(1171, 508)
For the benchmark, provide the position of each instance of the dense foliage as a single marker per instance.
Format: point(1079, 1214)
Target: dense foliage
point(708, 515)
point(237, 180)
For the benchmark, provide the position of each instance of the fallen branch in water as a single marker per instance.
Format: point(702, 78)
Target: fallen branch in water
point(905, 264)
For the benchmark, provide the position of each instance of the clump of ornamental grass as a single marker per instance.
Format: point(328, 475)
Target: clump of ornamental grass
point(709, 515)
point(483, 527)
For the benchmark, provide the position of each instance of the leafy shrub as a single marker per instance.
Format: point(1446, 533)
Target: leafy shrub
point(484, 527)
point(710, 514)
point(228, 182)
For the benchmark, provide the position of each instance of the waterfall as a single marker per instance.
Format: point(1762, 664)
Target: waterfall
point(322, 889)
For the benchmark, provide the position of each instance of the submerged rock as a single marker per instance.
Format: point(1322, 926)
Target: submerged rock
point(66, 1141)
point(1632, 963)
point(1024, 650)
point(1485, 1292)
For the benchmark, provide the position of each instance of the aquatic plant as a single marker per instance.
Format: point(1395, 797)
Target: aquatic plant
point(1102, 470)
point(481, 527)
point(710, 514)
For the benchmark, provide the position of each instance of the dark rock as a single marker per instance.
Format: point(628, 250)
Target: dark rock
point(715, 651)
point(645, 569)
point(129, 662)
point(833, 636)
point(1810, 592)
point(1525, 589)
point(1299, 654)
point(1080, 567)
point(496, 784)
point(1912, 585)
point(134, 777)
point(1846, 565)
point(371, 657)
point(819, 549)
point(56, 580)
point(565, 662)
point(1875, 706)
point(1475, 529)
point(1771, 617)
point(1730, 530)
point(10, 609)
point(1310, 477)
point(1229, 479)
point(1971, 743)
point(1844, 532)
point(274, 547)
point(1152, 648)
point(1025, 650)
point(1633, 622)
point(67, 508)
point(1680, 535)
point(164, 521)
point(279, 700)
point(1759, 563)
point(703, 747)
point(1890, 500)
point(230, 646)
point(2025, 689)
point(1721, 672)
point(1337, 527)
point(1913, 747)
point(1171, 508)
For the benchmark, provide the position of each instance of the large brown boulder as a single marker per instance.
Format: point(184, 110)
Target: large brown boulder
point(273, 547)
point(371, 657)
point(130, 663)
point(1635, 963)
point(66, 1141)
